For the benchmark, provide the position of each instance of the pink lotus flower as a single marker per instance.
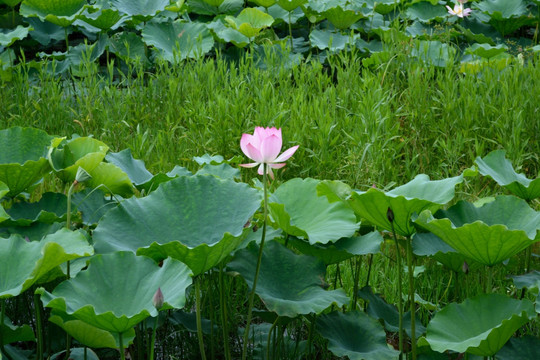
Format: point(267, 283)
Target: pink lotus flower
point(458, 10)
point(263, 147)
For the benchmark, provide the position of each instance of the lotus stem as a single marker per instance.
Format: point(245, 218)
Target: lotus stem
point(290, 31)
point(259, 260)
point(153, 339)
point(412, 303)
point(39, 328)
point(489, 286)
point(2, 315)
point(224, 318)
point(121, 343)
point(356, 281)
point(198, 315)
point(390, 215)
point(272, 328)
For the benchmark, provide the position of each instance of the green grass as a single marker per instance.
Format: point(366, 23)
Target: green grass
point(363, 126)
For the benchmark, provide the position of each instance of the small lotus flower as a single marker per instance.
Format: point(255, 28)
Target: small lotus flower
point(458, 10)
point(157, 300)
point(263, 147)
point(390, 215)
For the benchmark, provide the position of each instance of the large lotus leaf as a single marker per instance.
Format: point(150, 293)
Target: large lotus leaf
point(489, 234)
point(34, 232)
point(9, 37)
point(178, 40)
point(296, 208)
point(128, 46)
point(434, 53)
point(45, 32)
point(59, 12)
point(530, 280)
point(11, 3)
point(380, 309)
point(428, 244)
point(23, 263)
point(486, 51)
point(480, 325)
point(503, 9)
point(265, 3)
point(288, 284)
point(342, 19)
point(3, 191)
point(223, 171)
point(342, 249)
point(76, 354)
point(522, 348)
point(89, 335)
point(82, 152)
point(355, 335)
point(382, 6)
point(134, 168)
point(227, 34)
point(250, 21)
point(115, 293)
point(52, 207)
point(425, 12)
point(412, 198)
point(500, 169)
point(12, 333)
point(103, 19)
point(322, 6)
point(23, 157)
point(231, 7)
point(290, 5)
point(143, 9)
point(327, 39)
point(110, 179)
point(196, 219)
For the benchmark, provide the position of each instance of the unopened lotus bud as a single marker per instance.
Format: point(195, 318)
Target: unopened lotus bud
point(465, 268)
point(390, 215)
point(158, 299)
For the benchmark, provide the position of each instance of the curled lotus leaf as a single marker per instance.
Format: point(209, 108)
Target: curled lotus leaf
point(198, 220)
point(288, 284)
point(297, 209)
point(480, 325)
point(405, 201)
point(355, 335)
point(23, 263)
point(250, 21)
point(488, 234)
point(500, 169)
point(23, 157)
point(115, 292)
point(59, 12)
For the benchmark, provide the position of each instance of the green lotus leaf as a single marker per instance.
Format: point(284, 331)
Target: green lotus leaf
point(34, 232)
point(23, 157)
point(82, 152)
point(3, 191)
point(250, 22)
point(178, 40)
point(355, 335)
point(10, 3)
point(506, 16)
point(488, 234)
point(223, 171)
point(496, 166)
point(196, 219)
point(128, 46)
point(434, 53)
point(134, 168)
point(9, 37)
point(89, 335)
point(382, 6)
point(58, 12)
point(334, 190)
point(12, 333)
point(144, 10)
point(322, 6)
point(290, 5)
point(101, 18)
point(327, 39)
point(188, 320)
point(265, 3)
point(288, 284)
point(428, 244)
point(230, 7)
point(522, 348)
point(45, 32)
point(529, 281)
point(52, 207)
point(35, 259)
point(296, 208)
point(110, 179)
point(342, 19)
point(380, 309)
point(486, 51)
point(343, 249)
point(480, 325)
point(426, 12)
point(227, 34)
point(215, 3)
point(76, 354)
point(115, 292)
point(412, 198)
